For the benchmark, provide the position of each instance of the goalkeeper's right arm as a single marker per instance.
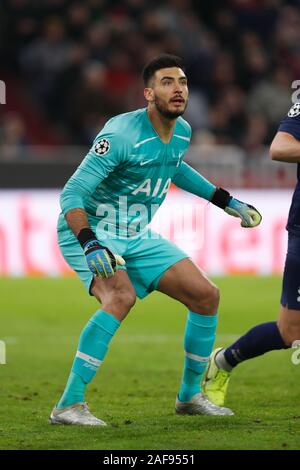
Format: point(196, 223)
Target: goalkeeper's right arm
point(101, 261)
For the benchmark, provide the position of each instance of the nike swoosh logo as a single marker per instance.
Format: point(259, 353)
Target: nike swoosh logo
point(144, 163)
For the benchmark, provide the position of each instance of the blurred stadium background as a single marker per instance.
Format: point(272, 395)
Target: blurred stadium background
point(68, 66)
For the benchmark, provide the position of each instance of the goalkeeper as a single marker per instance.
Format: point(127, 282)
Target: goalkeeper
point(104, 236)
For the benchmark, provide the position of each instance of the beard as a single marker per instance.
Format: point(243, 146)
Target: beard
point(162, 108)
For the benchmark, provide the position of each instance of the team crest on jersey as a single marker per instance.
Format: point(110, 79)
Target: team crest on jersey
point(102, 147)
point(295, 110)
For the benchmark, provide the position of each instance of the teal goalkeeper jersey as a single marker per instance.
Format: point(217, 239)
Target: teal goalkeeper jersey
point(126, 175)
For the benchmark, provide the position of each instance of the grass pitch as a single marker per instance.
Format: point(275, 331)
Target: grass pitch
point(134, 391)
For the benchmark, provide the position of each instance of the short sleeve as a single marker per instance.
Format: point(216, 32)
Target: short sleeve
point(291, 122)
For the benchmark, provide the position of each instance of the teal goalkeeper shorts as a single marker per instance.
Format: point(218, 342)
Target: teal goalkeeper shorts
point(146, 258)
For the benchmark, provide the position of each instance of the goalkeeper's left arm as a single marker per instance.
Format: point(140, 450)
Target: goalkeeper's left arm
point(190, 180)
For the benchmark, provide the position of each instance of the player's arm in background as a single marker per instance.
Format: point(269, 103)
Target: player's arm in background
point(106, 154)
point(286, 143)
point(190, 180)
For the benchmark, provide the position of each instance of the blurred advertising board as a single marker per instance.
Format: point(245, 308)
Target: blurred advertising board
point(213, 239)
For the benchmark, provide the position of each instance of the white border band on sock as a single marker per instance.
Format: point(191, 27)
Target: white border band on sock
point(195, 357)
point(91, 360)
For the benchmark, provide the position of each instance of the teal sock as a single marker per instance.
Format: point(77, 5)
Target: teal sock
point(92, 348)
point(198, 343)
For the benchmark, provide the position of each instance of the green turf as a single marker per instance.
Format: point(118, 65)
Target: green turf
point(136, 386)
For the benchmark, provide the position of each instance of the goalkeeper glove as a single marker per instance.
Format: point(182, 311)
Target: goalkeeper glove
point(249, 215)
point(100, 260)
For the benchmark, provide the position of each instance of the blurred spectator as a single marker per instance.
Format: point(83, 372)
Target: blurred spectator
point(91, 103)
point(82, 61)
point(98, 37)
point(120, 76)
point(228, 117)
point(254, 64)
point(197, 111)
point(78, 19)
point(45, 58)
point(287, 39)
point(12, 138)
point(256, 135)
point(272, 97)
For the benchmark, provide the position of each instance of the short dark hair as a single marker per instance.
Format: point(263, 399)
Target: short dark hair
point(162, 61)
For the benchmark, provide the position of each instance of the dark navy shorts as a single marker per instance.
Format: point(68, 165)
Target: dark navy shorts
point(290, 296)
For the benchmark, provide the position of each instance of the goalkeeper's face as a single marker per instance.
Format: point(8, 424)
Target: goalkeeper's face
point(168, 92)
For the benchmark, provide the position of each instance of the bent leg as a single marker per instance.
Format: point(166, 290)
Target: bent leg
point(272, 335)
point(188, 284)
point(257, 341)
point(260, 339)
point(267, 337)
point(289, 316)
point(289, 325)
point(185, 282)
point(118, 297)
point(116, 294)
